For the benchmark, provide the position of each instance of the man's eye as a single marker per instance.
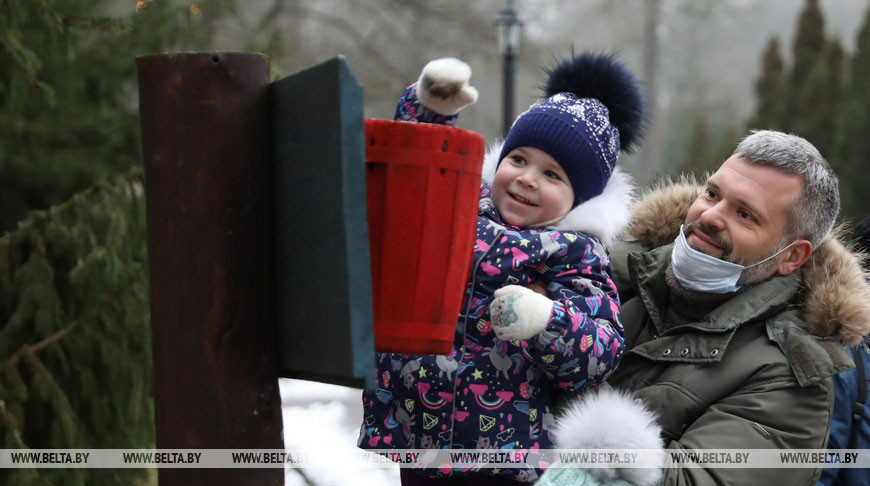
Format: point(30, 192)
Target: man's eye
point(711, 194)
point(745, 215)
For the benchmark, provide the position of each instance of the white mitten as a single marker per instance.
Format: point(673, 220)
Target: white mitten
point(519, 313)
point(443, 86)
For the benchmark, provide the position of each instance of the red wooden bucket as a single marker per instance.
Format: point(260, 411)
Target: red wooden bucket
point(423, 184)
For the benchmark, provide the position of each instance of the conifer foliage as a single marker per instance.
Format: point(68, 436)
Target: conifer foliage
point(68, 114)
point(809, 43)
point(770, 87)
point(854, 146)
point(824, 98)
point(75, 336)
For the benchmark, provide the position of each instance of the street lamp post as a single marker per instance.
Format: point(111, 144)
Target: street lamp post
point(509, 32)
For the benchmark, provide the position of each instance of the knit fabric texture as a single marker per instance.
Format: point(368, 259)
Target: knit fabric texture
point(577, 133)
point(411, 109)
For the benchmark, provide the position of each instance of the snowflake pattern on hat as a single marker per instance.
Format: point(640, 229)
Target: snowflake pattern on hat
point(568, 129)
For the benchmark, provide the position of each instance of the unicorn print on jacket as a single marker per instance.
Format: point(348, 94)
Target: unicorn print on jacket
point(550, 202)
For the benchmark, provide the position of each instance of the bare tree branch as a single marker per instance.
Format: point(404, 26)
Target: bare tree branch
point(467, 23)
point(351, 31)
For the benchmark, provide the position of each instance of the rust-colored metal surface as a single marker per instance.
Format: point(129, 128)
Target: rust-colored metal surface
point(205, 133)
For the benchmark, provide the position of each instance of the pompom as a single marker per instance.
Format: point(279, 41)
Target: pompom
point(613, 419)
point(602, 77)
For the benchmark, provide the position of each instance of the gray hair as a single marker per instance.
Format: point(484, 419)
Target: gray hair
point(813, 214)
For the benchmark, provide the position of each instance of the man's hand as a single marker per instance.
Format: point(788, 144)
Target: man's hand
point(443, 86)
point(519, 313)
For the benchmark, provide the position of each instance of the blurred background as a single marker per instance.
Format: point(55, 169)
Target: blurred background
point(74, 326)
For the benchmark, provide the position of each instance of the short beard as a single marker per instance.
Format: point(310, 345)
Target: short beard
point(766, 270)
point(749, 276)
point(758, 273)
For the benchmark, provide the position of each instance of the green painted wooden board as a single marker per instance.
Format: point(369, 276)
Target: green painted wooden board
point(322, 270)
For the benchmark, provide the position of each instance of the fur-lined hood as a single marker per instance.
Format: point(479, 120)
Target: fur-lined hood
point(604, 216)
point(837, 293)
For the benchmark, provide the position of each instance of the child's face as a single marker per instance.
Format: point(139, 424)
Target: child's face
point(530, 188)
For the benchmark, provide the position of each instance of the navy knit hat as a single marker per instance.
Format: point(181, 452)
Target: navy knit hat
point(594, 109)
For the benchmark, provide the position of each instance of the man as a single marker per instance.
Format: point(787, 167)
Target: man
point(736, 306)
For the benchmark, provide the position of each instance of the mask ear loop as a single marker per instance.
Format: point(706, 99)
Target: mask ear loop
point(771, 256)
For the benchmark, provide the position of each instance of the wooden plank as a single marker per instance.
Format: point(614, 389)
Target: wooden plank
point(323, 280)
point(205, 135)
point(376, 189)
point(464, 213)
point(435, 244)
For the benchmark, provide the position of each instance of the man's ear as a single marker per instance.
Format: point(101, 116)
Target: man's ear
point(794, 257)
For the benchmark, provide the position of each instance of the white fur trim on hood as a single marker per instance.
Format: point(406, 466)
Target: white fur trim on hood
point(604, 216)
point(606, 418)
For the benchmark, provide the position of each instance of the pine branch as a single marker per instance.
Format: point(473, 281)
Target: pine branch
point(63, 333)
point(135, 179)
point(57, 398)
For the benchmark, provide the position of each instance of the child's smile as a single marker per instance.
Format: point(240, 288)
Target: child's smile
point(531, 189)
point(521, 199)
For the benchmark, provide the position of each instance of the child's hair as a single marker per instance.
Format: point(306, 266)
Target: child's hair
point(594, 108)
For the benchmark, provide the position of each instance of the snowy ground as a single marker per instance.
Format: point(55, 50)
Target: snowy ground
point(319, 416)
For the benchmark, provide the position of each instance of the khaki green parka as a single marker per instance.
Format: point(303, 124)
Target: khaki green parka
point(755, 372)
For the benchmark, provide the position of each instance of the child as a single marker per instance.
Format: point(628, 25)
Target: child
point(550, 202)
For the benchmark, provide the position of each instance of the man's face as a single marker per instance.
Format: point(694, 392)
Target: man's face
point(741, 215)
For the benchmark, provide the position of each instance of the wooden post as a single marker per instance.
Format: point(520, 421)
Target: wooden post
point(206, 139)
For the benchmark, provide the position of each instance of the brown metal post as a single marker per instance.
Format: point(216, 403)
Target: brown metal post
point(205, 133)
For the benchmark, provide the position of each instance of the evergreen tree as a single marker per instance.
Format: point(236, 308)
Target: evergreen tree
point(75, 335)
point(826, 99)
point(809, 45)
point(769, 89)
point(707, 148)
point(809, 42)
point(75, 352)
point(819, 104)
point(68, 116)
point(699, 153)
point(854, 149)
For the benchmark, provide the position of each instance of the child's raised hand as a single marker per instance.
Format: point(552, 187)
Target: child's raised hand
point(519, 313)
point(443, 86)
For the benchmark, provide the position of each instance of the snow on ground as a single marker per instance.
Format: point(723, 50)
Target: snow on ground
point(319, 416)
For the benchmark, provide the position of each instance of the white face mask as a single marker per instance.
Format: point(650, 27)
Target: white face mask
point(704, 273)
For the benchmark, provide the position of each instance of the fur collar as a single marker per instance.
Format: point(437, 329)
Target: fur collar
point(838, 295)
point(606, 418)
point(604, 216)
